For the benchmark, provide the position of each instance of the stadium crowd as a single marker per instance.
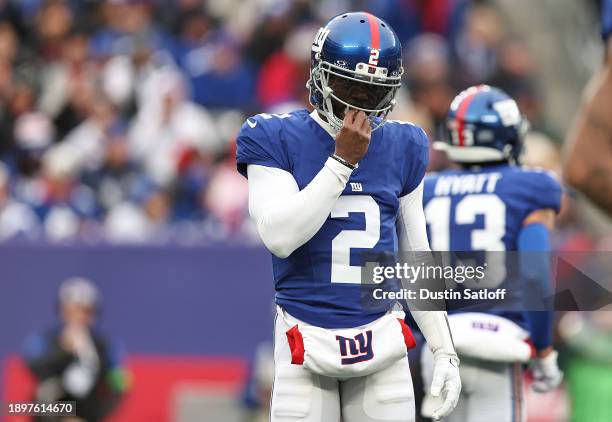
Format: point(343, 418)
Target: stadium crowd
point(117, 117)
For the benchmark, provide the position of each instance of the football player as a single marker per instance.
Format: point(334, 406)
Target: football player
point(325, 187)
point(492, 204)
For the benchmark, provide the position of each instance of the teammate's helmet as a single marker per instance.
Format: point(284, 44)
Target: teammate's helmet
point(483, 124)
point(355, 50)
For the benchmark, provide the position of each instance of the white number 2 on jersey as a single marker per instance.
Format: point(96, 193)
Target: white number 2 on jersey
point(341, 269)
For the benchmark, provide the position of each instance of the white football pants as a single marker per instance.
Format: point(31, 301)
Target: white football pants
point(300, 395)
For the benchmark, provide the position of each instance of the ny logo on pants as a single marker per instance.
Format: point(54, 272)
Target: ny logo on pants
point(357, 349)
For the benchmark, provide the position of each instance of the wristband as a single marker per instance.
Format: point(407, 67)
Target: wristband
point(344, 162)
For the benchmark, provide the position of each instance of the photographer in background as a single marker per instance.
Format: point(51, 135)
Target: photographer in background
point(73, 362)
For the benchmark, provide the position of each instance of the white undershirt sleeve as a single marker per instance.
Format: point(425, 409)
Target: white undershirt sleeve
point(411, 225)
point(436, 330)
point(412, 236)
point(285, 216)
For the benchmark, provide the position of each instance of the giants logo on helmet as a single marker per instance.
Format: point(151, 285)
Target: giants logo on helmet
point(508, 112)
point(357, 349)
point(317, 44)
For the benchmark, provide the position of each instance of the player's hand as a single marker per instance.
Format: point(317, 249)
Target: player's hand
point(546, 373)
point(353, 140)
point(72, 336)
point(446, 382)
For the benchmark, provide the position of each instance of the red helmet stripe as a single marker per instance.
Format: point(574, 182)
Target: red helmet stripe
point(374, 31)
point(461, 110)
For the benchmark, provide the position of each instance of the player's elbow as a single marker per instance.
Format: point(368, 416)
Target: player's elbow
point(281, 253)
point(277, 247)
point(273, 234)
point(276, 241)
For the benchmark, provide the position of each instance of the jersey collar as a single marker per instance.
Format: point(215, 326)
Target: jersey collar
point(328, 128)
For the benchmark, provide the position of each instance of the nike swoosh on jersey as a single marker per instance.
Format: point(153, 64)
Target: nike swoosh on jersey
point(252, 124)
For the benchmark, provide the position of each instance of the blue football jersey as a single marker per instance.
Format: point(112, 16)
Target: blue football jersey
point(484, 210)
point(320, 282)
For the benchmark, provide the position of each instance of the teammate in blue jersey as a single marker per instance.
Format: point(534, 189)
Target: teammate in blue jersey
point(326, 188)
point(492, 204)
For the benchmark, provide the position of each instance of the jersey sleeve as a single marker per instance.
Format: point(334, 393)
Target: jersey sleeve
point(415, 157)
point(259, 143)
point(544, 190)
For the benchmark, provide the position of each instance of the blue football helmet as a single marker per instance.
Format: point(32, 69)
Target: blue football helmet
point(355, 53)
point(483, 124)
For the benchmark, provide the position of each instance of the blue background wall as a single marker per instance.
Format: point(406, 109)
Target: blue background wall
point(213, 300)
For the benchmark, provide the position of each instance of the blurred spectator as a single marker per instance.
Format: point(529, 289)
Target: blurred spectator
point(123, 22)
point(9, 12)
point(117, 178)
point(129, 222)
point(31, 131)
point(516, 75)
point(195, 173)
point(54, 19)
point(411, 18)
point(429, 78)
point(227, 197)
point(168, 126)
point(211, 60)
point(477, 45)
point(17, 89)
point(276, 23)
point(15, 217)
point(83, 147)
point(74, 362)
point(65, 205)
point(67, 84)
point(283, 74)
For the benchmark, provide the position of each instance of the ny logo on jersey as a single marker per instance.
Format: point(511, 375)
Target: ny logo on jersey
point(356, 187)
point(357, 349)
